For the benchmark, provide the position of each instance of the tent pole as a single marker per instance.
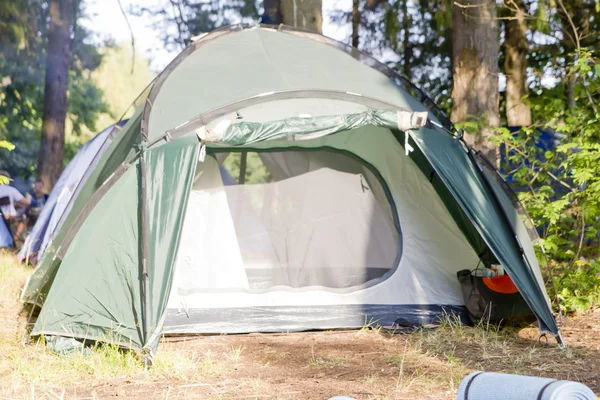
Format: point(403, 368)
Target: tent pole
point(145, 256)
point(243, 162)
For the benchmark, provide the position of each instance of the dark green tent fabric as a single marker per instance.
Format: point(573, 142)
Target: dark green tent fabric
point(103, 301)
point(517, 223)
point(121, 149)
point(463, 178)
point(96, 292)
point(242, 133)
point(175, 164)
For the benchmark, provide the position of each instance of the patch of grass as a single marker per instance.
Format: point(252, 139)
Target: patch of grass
point(23, 365)
point(485, 346)
point(413, 370)
point(13, 275)
point(315, 361)
point(234, 353)
point(39, 373)
point(429, 363)
point(209, 365)
point(174, 364)
point(319, 361)
point(370, 326)
point(371, 379)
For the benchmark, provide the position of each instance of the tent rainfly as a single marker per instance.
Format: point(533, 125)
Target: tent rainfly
point(59, 201)
point(275, 180)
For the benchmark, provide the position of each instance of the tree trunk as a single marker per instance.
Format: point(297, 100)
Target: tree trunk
point(406, 46)
point(516, 47)
point(576, 15)
point(570, 81)
point(305, 14)
point(355, 23)
point(58, 53)
point(475, 70)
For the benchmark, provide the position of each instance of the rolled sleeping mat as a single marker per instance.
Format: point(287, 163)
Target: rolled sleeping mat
point(495, 386)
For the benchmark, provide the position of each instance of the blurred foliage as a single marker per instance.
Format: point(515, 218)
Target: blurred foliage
point(180, 20)
point(23, 33)
point(565, 181)
point(117, 83)
point(560, 186)
point(579, 286)
point(256, 171)
point(411, 37)
point(120, 80)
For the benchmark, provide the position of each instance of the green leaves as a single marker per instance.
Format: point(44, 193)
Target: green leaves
point(6, 145)
point(23, 34)
point(560, 185)
point(579, 286)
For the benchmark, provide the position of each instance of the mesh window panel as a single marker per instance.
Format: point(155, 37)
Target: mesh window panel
point(293, 219)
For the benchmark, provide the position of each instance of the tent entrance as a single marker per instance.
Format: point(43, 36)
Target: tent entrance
point(286, 220)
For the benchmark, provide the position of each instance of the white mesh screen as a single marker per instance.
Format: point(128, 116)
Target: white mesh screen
point(309, 218)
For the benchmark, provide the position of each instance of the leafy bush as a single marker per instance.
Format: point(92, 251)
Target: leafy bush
point(579, 286)
point(560, 187)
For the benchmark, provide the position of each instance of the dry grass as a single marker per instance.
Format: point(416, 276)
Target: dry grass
point(367, 363)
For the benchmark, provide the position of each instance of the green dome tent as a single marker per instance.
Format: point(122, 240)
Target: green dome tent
point(272, 180)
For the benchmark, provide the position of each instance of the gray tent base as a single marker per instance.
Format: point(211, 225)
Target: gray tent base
point(305, 318)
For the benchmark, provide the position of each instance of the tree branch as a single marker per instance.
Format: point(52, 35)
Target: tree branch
point(132, 36)
point(572, 25)
point(578, 43)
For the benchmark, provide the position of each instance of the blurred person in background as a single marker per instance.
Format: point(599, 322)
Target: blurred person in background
point(13, 206)
point(37, 199)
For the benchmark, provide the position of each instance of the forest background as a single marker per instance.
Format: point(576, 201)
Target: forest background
point(521, 78)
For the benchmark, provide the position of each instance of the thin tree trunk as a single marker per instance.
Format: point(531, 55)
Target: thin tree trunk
point(475, 70)
point(575, 26)
point(58, 53)
point(305, 14)
point(516, 47)
point(355, 23)
point(570, 81)
point(406, 46)
point(243, 166)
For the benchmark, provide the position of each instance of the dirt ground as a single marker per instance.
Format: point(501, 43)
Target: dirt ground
point(366, 364)
point(370, 364)
point(363, 364)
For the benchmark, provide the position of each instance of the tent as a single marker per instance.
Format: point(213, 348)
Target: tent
point(59, 200)
point(275, 180)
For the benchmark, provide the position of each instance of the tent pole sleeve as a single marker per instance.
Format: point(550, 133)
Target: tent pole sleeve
point(145, 250)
